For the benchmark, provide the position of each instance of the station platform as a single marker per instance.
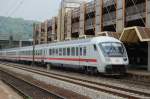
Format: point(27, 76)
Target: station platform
point(8, 93)
point(142, 75)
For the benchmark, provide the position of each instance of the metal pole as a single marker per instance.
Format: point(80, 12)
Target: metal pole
point(33, 52)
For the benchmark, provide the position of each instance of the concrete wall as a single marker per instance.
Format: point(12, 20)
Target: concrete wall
point(69, 24)
point(59, 26)
point(98, 16)
point(54, 31)
point(120, 15)
point(82, 20)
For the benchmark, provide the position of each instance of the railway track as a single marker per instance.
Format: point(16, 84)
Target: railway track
point(115, 90)
point(26, 88)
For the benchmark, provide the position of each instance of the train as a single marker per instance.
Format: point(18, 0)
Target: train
point(102, 54)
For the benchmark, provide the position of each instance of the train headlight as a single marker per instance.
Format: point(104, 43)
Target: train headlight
point(108, 59)
point(125, 59)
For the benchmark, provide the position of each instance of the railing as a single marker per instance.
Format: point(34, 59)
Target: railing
point(139, 8)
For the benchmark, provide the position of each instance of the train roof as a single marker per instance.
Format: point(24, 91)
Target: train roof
point(79, 41)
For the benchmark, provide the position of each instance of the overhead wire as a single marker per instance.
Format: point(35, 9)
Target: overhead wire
point(16, 8)
point(10, 7)
point(13, 11)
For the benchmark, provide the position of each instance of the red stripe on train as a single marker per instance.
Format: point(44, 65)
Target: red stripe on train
point(74, 59)
point(61, 59)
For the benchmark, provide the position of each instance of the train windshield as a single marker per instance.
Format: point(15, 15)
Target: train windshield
point(113, 49)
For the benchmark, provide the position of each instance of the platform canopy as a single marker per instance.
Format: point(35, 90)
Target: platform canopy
point(111, 34)
point(135, 34)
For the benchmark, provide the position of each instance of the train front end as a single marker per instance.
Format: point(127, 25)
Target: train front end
point(115, 56)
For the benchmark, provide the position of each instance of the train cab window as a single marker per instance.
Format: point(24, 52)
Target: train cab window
point(73, 51)
point(77, 51)
point(95, 48)
point(84, 51)
point(81, 50)
point(68, 51)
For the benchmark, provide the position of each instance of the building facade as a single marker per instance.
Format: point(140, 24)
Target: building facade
point(79, 19)
point(127, 20)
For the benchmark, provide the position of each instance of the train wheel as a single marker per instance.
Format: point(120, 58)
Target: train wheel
point(89, 70)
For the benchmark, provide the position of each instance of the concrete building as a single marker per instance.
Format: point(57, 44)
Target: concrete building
point(127, 20)
point(11, 41)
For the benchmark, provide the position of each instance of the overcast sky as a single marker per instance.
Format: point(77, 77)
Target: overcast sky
point(39, 10)
point(29, 9)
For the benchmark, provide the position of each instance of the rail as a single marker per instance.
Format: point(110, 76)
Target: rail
point(115, 90)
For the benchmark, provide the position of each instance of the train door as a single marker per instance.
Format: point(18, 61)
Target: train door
point(97, 55)
point(83, 55)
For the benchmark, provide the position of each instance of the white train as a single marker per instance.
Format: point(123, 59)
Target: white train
point(103, 54)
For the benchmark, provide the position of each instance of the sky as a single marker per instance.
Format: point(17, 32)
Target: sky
point(39, 10)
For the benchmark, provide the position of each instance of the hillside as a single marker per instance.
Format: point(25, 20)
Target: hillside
point(19, 28)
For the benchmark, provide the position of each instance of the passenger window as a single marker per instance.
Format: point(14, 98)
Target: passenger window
point(64, 51)
point(50, 52)
point(41, 52)
point(68, 51)
point(77, 51)
point(80, 51)
point(53, 51)
point(60, 51)
point(56, 51)
point(73, 51)
point(84, 51)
